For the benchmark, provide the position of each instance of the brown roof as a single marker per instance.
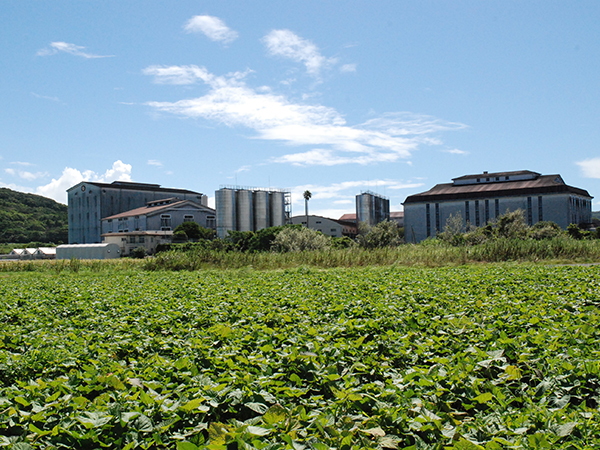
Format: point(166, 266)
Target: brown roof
point(146, 210)
point(397, 214)
point(497, 174)
point(129, 185)
point(544, 184)
point(348, 217)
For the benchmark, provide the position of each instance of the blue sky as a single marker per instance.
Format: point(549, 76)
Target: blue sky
point(335, 97)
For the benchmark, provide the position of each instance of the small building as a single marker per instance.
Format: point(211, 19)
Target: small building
point(480, 198)
point(131, 240)
point(327, 226)
point(16, 253)
point(398, 217)
point(160, 215)
point(45, 253)
point(88, 251)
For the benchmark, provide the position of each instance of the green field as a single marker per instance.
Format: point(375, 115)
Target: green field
point(491, 356)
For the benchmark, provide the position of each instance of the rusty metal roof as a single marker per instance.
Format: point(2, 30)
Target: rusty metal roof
point(149, 210)
point(544, 184)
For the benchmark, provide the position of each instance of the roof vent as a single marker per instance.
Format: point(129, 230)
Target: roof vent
point(485, 172)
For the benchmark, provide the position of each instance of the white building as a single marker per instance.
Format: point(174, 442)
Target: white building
point(482, 197)
point(327, 226)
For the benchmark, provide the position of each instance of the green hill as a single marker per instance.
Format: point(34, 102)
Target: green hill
point(31, 218)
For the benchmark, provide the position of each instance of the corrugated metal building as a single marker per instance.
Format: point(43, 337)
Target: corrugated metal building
point(372, 208)
point(480, 198)
point(89, 202)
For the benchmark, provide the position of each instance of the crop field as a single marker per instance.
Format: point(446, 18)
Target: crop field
point(491, 356)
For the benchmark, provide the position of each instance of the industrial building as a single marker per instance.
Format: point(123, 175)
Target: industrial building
point(329, 227)
point(251, 209)
point(89, 202)
point(372, 208)
point(482, 197)
point(88, 251)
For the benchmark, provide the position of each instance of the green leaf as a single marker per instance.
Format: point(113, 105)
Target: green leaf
point(566, 429)
point(485, 397)
point(195, 404)
point(275, 414)
point(186, 445)
point(258, 431)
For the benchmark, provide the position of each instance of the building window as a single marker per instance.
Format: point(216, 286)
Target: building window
point(333, 230)
point(136, 223)
point(142, 240)
point(476, 213)
point(165, 222)
point(210, 221)
point(496, 208)
point(132, 239)
point(318, 221)
point(437, 217)
point(188, 218)
point(478, 180)
point(529, 213)
point(497, 178)
point(505, 178)
point(110, 225)
point(121, 225)
point(487, 211)
point(428, 219)
point(467, 213)
point(540, 209)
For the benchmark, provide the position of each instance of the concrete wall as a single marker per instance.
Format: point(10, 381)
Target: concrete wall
point(326, 226)
point(88, 251)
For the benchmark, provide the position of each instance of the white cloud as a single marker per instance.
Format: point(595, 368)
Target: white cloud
point(45, 97)
point(590, 167)
point(346, 68)
point(456, 151)
point(57, 188)
point(289, 45)
point(22, 163)
point(212, 27)
point(26, 175)
point(72, 49)
point(231, 102)
point(154, 162)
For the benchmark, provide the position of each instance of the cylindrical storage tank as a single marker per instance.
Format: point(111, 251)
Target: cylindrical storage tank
point(262, 213)
point(225, 205)
point(277, 200)
point(244, 208)
point(364, 208)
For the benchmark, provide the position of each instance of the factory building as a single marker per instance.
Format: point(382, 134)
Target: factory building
point(372, 208)
point(480, 198)
point(327, 226)
point(251, 209)
point(89, 202)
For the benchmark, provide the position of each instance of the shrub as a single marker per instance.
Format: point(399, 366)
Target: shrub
point(180, 236)
point(384, 234)
point(195, 231)
point(138, 252)
point(544, 230)
point(300, 239)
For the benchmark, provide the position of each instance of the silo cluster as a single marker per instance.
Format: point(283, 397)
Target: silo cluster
point(372, 208)
point(250, 209)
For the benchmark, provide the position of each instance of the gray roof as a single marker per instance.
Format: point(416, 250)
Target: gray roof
point(497, 174)
point(544, 184)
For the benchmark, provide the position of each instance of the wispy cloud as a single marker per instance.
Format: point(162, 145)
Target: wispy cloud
point(155, 162)
point(590, 167)
point(232, 102)
point(45, 97)
point(212, 27)
point(29, 176)
point(456, 151)
point(57, 188)
point(72, 49)
point(289, 45)
point(347, 68)
point(21, 163)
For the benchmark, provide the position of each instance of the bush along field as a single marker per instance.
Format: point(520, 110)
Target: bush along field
point(488, 357)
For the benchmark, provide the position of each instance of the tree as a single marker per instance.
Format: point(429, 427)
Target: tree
point(307, 196)
point(194, 231)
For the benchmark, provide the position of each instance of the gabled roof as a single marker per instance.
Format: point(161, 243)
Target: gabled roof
point(348, 217)
point(151, 210)
point(544, 184)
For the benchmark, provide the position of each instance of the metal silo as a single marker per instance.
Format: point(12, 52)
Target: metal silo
point(244, 210)
point(225, 205)
point(262, 213)
point(277, 200)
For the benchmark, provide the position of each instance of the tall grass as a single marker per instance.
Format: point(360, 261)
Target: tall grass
point(430, 254)
point(427, 254)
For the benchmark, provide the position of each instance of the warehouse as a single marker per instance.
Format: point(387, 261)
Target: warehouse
point(480, 198)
